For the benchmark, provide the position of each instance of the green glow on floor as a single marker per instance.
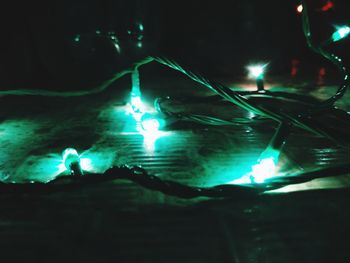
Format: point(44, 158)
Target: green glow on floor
point(15, 136)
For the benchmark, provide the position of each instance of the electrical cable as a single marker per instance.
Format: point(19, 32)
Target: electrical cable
point(302, 120)
point(78, 93)
point(286, 121)
point(141, 177)
point(328, 56)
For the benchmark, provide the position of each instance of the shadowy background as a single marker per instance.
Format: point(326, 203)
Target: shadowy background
point(62, 44)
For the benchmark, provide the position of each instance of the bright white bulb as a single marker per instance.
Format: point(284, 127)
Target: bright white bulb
point(256, 71)
point(343, 32)
point(136, 102)
point(150, 125)
point(300, 8)
point(263, 170)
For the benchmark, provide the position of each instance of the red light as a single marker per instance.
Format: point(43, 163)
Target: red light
point(322, 72)
point(321, 76)
point(295, 67)
point(300, 9)
point(328, 6)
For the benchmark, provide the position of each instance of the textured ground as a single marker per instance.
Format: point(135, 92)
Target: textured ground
point(119, 221)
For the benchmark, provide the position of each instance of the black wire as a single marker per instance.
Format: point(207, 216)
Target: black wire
point(141, 177)
point(337, 61)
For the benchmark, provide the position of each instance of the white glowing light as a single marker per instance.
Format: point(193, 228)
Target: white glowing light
point(265, 169)
point(300, 8)
point(150, 125)
point(136, 103)
point(135, 98)
point(117, 47)
point(141, 27)
point(135, 108)
point(256, 71)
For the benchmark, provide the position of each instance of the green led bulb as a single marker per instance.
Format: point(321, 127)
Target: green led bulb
point(135, 100)
point(151, 122)
point(71, 161)
point(141, 27)
point(136, 103)
point(150, 125)
point(266, 166)
point(268, 160)
point(342, 32)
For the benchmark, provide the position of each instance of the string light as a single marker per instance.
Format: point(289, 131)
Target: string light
point(300, 8)
point(150, 125)
point(328, 6)
point(152, 122)
point(268, 160)
point(71, 160)
point(342, 32)
point(135, 100)
point(266, 166)
point(265, 169)
point(257, 72)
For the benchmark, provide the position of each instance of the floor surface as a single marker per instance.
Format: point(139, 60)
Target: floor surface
point(121, 222)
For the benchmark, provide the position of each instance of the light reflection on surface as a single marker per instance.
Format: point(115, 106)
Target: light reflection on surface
point(150, 139)
point(317, 184)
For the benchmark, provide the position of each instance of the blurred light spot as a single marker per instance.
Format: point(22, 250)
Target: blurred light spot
point(86, 164)
point(256, 71)
point(295, 67)
point(328, 6)
point(341, 33)
point(300, 9)
point(150, 125)
point(321, 76)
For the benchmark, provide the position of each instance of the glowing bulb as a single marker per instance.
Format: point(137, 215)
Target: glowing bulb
point(263, 170)
point(151, 122)
point(341, 33)
point(256, 71)
point(141, 27)
point(266, 166)
point(328, 6)
point(136, 103)
point(150, 125)
point(135, 100)
point(71, 161)
point(300, 9)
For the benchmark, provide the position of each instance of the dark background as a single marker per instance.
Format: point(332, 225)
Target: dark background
point(218, 38)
